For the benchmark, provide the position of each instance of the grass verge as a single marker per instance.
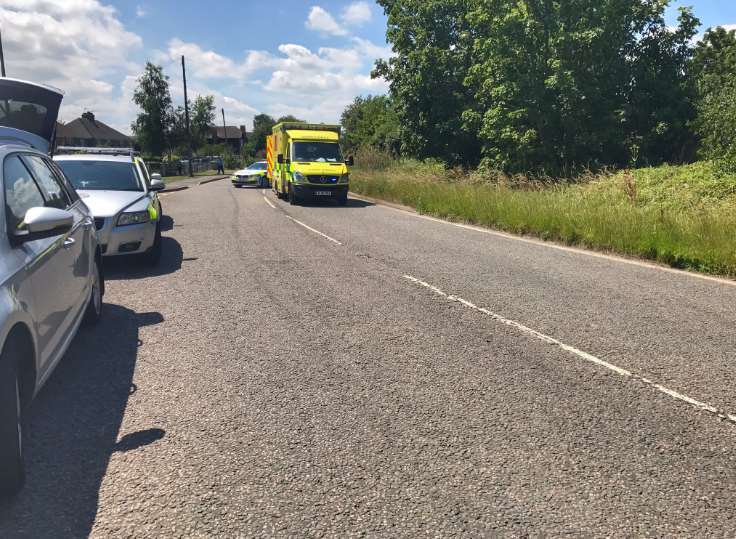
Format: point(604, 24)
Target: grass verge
point(682, 216)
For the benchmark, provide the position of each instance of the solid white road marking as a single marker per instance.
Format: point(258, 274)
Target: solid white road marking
point(579, 353)
point(333, 240)
point(269, 202)
point(550, 245)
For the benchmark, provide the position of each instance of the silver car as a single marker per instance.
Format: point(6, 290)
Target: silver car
point(50, 262)
point(116, 186)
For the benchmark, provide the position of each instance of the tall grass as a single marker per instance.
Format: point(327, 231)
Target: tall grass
point(680, 216)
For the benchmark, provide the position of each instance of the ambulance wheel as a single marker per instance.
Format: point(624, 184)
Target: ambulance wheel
point(293, 200)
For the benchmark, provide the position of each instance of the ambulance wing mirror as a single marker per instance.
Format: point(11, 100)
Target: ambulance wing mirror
point(350, 161)
point(280, 159)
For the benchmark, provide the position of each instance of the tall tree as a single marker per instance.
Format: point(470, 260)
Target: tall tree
point(154, 100)
point(564, 85)
point(426, 76)
point(288, 118)
point(262, 127)
point(714, 66)
point(203, 118)
point(371, 121)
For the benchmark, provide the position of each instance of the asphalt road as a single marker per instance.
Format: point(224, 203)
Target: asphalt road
point(382, 374)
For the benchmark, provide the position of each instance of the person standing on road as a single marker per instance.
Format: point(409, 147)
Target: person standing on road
point(220, 166)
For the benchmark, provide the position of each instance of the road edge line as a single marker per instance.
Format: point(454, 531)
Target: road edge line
point(549, 244)
point(590, 358)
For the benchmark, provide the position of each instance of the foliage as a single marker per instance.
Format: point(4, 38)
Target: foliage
point(539, 85)
point(678, 215)
point(371, 121)
point(427, 75)
point(202, 118)
point(177, 137)
point(288, 118)
point(262, 127)
point(714, 67)
point(154, 100)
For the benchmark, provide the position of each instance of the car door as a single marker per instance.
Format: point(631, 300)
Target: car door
point(45, 261)
point(76, 245)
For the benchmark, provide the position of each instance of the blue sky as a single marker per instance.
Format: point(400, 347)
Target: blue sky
point(302, 57)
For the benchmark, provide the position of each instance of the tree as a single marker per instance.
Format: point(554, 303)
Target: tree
point(427, 74)
point(540, 85)
point(262, 127)
point(371, 121)
point(714, 65)
point(203, 119)
point(288, 118)
point(178, 138)
point(565, 85)
point(154, 100)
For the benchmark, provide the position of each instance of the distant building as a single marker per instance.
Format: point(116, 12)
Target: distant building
point(233, 136)
point(90, 132)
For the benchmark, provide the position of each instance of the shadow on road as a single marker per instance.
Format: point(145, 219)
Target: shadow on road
point(72, 430)
point(131, 267)
point(352, 203)
point(167, 223)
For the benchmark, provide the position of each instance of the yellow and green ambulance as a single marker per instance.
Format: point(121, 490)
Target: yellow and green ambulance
point(307, 163)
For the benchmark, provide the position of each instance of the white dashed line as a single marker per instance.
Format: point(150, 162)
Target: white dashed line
point(579, 353)
point(333, 240)
point(269, 202)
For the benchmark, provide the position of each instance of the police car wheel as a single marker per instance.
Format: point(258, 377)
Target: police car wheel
point(11, 447)
point(153, 255)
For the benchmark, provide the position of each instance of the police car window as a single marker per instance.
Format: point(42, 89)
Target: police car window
point(55, 194)
point(21, 192)
point(73, 195)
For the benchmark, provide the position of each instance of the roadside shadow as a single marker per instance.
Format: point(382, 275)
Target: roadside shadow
point(351, 204)
point(132, 267)
point(72, 430)
point(167, 223)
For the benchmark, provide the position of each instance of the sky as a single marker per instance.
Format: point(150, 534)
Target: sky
point(300, 57)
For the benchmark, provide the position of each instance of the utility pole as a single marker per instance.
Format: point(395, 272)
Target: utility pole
point(224, 125)
point(186, 114)
point(2, 56)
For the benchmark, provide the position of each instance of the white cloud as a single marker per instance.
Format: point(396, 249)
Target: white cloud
point(140, 12)
point(320, 20)
point(79, 46)
point(357, 14)
point(211, 65)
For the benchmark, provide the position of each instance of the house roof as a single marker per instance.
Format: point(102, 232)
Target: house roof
point(233, 132)
point(89, 128)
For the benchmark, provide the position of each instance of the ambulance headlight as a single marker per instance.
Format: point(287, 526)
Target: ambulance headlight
point(299, 177)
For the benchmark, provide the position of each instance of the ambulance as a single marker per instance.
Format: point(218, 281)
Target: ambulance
point(305, 163)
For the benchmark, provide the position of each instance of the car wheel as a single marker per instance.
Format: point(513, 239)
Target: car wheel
point(94, 307)
point(11, 445)
point(153, 256)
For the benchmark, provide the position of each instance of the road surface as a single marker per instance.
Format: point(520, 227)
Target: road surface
point(330, 371)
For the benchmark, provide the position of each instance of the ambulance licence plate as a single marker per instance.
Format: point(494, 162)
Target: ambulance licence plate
point(323, 193)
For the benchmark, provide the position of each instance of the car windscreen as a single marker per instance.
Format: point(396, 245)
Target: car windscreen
point(324, 152)
point(257, 166)
point(101, 175)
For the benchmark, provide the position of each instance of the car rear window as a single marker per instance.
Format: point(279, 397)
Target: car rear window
point(101, 175)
